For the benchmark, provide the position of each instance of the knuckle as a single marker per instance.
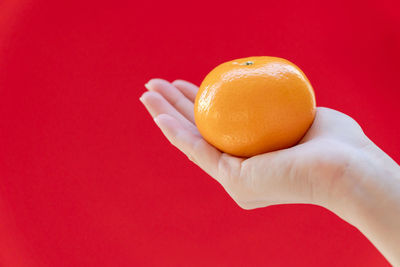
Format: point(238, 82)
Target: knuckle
point(191, 158)
point(174, 140)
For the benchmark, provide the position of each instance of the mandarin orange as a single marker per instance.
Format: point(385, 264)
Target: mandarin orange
point(254, 105)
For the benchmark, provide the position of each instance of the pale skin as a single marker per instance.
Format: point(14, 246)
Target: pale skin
point(335, 166)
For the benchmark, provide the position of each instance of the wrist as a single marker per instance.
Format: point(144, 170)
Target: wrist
point(370, 180)
point(370, 200)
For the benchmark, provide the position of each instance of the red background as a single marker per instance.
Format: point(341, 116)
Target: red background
point(86, 178)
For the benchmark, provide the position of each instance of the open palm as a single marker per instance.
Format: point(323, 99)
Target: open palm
point(306, 173)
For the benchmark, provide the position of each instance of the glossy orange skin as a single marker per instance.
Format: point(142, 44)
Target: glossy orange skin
point(254, 105)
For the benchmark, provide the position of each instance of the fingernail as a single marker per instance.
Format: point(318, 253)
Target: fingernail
point(156, 121)
point(147, 85)
point(141, 99)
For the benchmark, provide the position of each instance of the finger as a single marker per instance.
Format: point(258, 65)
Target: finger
point(173, 96)
point(196, 148)
point(156, 105)
point(187, 88)
point(192, 146)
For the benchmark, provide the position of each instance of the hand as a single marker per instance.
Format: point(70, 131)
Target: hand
point(335, 166)
point(309, 172)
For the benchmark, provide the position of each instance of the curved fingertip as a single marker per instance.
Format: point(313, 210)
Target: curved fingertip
point(181, 81)
point(151, 99)
point(178, 81)
point(154, 82)
point(145, 96)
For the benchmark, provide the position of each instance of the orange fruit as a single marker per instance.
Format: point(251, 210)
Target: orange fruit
point(254, 105)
